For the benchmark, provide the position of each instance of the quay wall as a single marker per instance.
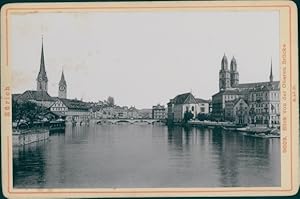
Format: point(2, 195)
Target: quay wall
point(22, 137)
point(210, 123)
point(203, 124)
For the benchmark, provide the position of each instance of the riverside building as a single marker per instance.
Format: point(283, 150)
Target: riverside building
point(260, 99)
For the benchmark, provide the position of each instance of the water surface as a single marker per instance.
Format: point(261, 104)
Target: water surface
point(142, 155)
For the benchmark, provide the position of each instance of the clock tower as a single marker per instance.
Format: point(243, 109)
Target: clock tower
point(42, 80)
point(62, 87)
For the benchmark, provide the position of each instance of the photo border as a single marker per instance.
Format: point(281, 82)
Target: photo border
point(289, 138)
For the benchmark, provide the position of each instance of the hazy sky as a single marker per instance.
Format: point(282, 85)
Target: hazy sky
point(142, 58)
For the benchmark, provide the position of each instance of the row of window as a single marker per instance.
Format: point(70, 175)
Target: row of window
point(59, 109)
point(202, 109)
point(230, 97)
point(264, 96)
point(57, 104)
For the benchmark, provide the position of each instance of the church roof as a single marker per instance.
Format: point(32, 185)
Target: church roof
point(267, 87)
point(75, 104)
point(186, 98)
point(35, 95)
point(257, 84)
point(228, 92)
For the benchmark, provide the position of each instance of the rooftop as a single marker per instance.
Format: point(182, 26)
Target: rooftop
point(75, 104)
point(185, 98)
point(34, 95)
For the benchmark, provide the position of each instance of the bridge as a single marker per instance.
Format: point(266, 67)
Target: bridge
point(130, 121)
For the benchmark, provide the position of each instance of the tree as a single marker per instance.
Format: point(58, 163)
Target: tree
point(27, 111)
point(110, 101)
point(188, 115)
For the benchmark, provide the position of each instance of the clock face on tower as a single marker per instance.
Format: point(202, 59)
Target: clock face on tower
point(40, 79)
point(61, 88)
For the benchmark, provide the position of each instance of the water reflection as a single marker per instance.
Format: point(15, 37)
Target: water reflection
point(144, 155)
point(29, 159)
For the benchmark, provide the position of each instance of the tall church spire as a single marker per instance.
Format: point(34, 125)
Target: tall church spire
point(42, 63)
point(271, 73)
point(42, 80)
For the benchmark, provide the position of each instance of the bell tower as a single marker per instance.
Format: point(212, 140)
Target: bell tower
point(62, 87)
point(224, 75)
point(42, 80)
point(234, 74)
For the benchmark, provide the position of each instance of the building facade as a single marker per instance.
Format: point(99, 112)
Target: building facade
point(202, 106)
point(159, 112)
point(264, 105)
point(237, 111)
point(262, 98)
point(220, 99)
point(181, 104)
point(72, 110)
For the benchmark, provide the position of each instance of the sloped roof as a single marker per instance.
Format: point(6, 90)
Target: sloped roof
point(96, 108)
point(186, 98)
point(158, 106)
point(238, 99)
point(35, 95)
point(267, 87)
point(75, 104)
point(15, 96)
point(257, 84)
point(228, 92)
point(199, 100)
point(234, 102)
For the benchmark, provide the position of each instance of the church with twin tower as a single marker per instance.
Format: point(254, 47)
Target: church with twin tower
point(42, 79)
point(255, 102)
point(228, 78)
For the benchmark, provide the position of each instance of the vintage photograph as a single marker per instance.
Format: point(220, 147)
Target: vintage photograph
point(146, 99)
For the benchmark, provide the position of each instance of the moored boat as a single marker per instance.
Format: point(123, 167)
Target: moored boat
point(261, 135)
point(58, 125)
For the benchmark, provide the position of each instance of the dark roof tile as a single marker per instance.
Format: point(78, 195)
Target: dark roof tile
point(185, 98)
point(75, 104)
point(199, 100)
point(35, 95)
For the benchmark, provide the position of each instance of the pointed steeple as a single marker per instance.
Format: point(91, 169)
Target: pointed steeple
point(271, 73)
point(62, 78)
point(62, 86)
point(42, 72)
point(42, 80)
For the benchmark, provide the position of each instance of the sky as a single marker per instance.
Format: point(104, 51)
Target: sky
point(142, 58)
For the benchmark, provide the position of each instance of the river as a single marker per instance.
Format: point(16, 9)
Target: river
point(143, 155)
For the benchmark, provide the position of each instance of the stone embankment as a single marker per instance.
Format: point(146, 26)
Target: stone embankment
point(22, 137)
